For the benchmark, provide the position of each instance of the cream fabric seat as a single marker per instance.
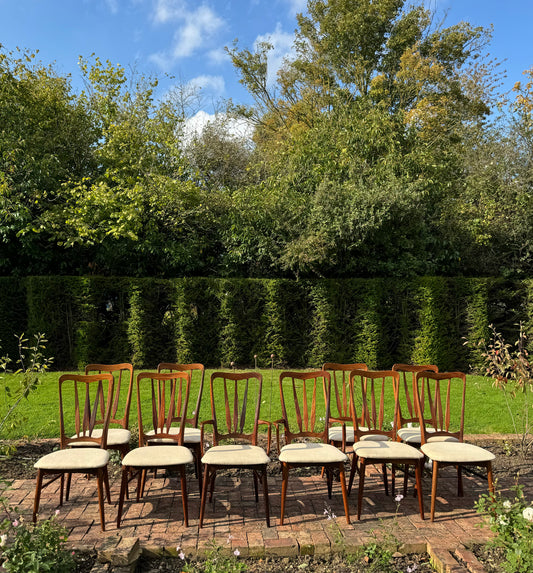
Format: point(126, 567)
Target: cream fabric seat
point(413, 436)
point(235, 455)
point(335, 435)
point(190, 436)
point(396, 451)
point(457, 452)
point(158, 456)
point(115, 437)
point(311, 453)
point(72, 460)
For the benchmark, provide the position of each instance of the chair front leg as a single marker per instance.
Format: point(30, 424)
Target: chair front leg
point(184, 496)
point(123, 492)
point(419, 468)
point(100, 487)
point(342, 477)
point(204, 494)
point(37, 498)
point(362, 471)
point(489, 478)
point(460, 491)
point(353, 469)
point(106, 483)
point(284, 481)
point(434, 481)
point(265, 495)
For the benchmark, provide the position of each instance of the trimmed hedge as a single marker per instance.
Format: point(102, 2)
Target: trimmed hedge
point(303, 323)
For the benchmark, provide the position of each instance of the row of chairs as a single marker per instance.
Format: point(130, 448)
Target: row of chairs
point(170, 438)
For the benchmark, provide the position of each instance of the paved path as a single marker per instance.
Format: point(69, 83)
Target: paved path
point(237, 522)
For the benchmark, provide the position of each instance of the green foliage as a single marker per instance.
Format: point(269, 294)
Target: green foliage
point(512, 521)
point(29, 548)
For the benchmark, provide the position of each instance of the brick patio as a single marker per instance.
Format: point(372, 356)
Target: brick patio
point(236, 521)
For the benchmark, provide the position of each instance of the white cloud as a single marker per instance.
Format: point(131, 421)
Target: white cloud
point(214, 84)
point(196, 27)
point(297, 6)
point(240, 128)
point(282, 43)
point(112, 5)
point(218, 56)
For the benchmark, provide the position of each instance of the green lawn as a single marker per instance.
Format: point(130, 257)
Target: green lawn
point(486, 410)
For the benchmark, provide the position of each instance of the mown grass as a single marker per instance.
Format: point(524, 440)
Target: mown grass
point(486, 408)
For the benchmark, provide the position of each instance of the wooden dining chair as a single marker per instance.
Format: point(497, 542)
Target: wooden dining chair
point(306, 437)
point(192, 432)
point(340, 427)
point(168, 396)
point(84, 400)
point(441, 399)
point(235, 409)
point(379, 405)
point(118, 438)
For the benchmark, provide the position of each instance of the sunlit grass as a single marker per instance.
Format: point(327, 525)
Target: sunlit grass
point(486, 408)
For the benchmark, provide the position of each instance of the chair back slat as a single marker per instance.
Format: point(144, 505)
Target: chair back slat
point(443, 394)
point(164, 416)
point(91, 407)
point(237, 416)
point(340, 388)
point(124, 377)
point(301, 390)
point(378, 403)
point(196, 372)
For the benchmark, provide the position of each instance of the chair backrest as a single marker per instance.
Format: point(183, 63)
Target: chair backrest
point(441, 400)
point(161, 415)
point(124, 372)
point(376, 392)
point(192, 368)
point(235, 405)
point(88, 409)
point(407, 390)
point(340, 389)
point(301, 394)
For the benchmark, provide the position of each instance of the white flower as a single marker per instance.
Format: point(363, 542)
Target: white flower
point(503, 520)
point(236, 553)
point(57, 511)
point(178, 548)
point(528, 513)
point(398, 498)
point(181, 555)
point(507, 504)
point(16, 523)
point(3, 540)
point(412, 569)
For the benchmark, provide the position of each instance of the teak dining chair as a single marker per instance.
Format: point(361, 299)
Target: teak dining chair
point(340, 427)
point(235, 409)
point(306, 442)
point(192, 432)
point(92, 397)
point(118, 438)
point(378, 392)
point(444, 397)
point(168, 399)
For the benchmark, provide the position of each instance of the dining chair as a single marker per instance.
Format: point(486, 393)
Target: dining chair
point(161, 398)
point(84, 400)
point(192, 432)
point(235, 409)
point(408, 416)
point(340, 428)
point(444, 396)
point(379, 404)
point(306, 440)
point(118, 438)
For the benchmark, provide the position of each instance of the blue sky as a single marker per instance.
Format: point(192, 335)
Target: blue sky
point(186, 38)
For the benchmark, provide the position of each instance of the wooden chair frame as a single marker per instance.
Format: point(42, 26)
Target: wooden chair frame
point(433, 393)
point(373, 387)
point(231, 428)
point(305, 401)
point(90, 410)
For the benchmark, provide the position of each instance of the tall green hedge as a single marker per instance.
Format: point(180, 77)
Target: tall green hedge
point(301, 323)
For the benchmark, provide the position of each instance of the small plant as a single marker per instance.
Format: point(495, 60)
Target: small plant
point(29, 548)
point(512, 521)
point(218, 560)
point(338, 535)
point(24, 380)
point(512, 372)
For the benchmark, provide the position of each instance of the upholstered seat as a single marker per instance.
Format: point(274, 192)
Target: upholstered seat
point(190, 436)
point(115, 437)
point(386, 450)
point(311, 453)
point(413, 436)
point(72, 461)
point(158, 456)
point(457, 452)
point(235, 455)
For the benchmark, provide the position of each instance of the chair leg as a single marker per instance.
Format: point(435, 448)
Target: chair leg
point(489, 478)
point(123, 491)
point(362, 471)
point(342, 477)
point(265, 495)
point(353, 469)
point(329, 480)
point(198, 465)
point(460, 492)
point(67, 494)
point(184, 496)
point(254, 473)
point(204, 495)
point(100, 487)
point(385, 481)
point(284, 481)
point(37, 498)
point(405, 479)
point(419, 468)
point(212, 484)
point(106, 483)
point(434, 480)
